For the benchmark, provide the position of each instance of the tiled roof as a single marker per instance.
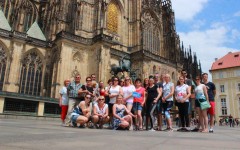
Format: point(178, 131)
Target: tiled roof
point(228, 61)
point(4, 23)
point(35, 32)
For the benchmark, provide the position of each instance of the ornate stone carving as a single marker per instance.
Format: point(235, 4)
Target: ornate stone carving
point(77, 57)
point(75, 72)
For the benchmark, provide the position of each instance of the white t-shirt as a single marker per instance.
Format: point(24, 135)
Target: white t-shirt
point(101, 111)
point(63, 92)
point(199, 92)
point(181, 90)
point(128, 90)
point(167, 90)
point(114, 90)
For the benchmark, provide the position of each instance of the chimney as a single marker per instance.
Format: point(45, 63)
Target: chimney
point(216, 59)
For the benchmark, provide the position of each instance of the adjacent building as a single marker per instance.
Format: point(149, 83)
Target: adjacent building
point(226, 76)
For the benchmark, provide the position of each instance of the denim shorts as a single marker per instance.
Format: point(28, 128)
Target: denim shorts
point(137, 106)
point(74, 118)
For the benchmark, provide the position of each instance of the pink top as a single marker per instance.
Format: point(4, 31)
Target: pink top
point(141, 91)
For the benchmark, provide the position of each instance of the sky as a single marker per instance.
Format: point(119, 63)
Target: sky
point(211, 27)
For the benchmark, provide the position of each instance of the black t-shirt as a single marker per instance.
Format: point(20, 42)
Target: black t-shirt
point(210, 88)
point(152, 93)
point(159, 85)
point(188, 82)
point(90, 89)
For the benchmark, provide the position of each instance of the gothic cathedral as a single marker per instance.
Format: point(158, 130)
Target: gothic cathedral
point(43, 42)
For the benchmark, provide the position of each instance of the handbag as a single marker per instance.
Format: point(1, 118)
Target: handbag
point(204, 105)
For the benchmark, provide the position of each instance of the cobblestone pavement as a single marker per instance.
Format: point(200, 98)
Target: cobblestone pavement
point(16, 134)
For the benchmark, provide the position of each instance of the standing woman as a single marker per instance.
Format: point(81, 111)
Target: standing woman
point(119, 119)
point(63, 101)
point(128, 89)
point(138, 103)
point(101, 89)
point(182, 94)
point(167, 100)
point(153, 96)
point(146, 83)
point(201, 96)
point(114, 91)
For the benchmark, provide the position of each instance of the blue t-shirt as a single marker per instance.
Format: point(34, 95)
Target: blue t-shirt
point(210, 88)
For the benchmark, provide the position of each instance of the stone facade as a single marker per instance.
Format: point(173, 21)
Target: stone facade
point(84, 36)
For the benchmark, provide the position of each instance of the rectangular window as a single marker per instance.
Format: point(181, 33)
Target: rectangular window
point(238, 87)
point(224, 106)
point(222, 88)
point(220, 75)
point(238, 73)
point(239, 102)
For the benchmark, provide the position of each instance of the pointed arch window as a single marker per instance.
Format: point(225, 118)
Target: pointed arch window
point(31, 74)
point(112, 17)
point(3, 65)
point(151, 34)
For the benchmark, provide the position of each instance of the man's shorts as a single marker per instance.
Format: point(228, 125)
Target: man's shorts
point(211, 110)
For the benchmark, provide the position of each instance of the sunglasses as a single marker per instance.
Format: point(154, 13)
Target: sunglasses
point(88, 80)
point(115, 80)
point(77, 77)
point(197, 79)
point(88, 97)
point(101, 99)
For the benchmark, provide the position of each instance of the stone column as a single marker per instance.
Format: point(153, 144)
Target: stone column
point(40, 109)
point(2, 100)
point(15, 68)
point(104, 65)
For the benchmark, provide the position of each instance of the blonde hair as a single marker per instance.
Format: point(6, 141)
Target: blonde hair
point(168, 75)
point(67, 80)
point(94, 84)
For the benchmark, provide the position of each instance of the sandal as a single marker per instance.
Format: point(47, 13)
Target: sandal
point(159, 129)
point(140, 129)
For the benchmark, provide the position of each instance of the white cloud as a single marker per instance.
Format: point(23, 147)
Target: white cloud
point(237, 14)
point(209, 44)
point(186, 9)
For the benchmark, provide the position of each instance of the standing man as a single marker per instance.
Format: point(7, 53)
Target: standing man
point(189, 83)
point(159, 103)
point(93, 76)
point(211, 94)
point(73, 95)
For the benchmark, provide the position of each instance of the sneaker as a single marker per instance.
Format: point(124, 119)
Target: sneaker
point(180, 129)
point(210, 130)
point(186, 130)
point(166, 129)
point(151, 129)
point(131, 128)
point(195, 130)
point(74, 124)
point(169, 130)
point(82, 126)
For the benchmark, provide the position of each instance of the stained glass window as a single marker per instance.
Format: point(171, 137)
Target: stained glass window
point(112, 18)
point(31, 75)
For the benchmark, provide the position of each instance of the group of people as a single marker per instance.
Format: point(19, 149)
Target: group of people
point(229, 121)
point(123, 102)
